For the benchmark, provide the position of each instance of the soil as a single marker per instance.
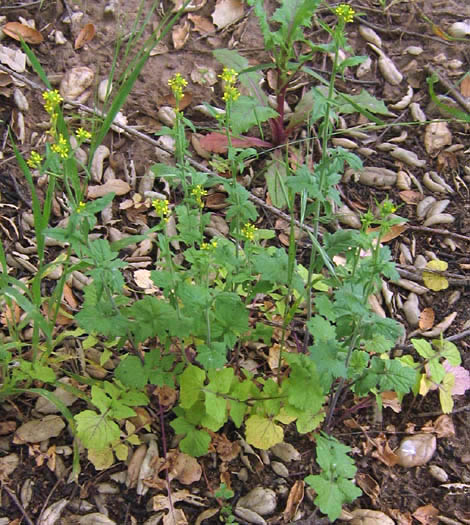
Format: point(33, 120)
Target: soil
point(394, 490)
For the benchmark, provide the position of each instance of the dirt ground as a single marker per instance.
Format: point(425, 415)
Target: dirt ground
point(415, 37)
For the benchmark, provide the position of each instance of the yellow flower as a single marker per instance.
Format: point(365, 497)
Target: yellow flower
point(177, 83)
point(248, 231)
point(345, 12)
point(61, 146)
point(198, 192)
point(83, 134)
point(34, 160)
point(51, 100)
point(231, 93)
point(206, 246)
point(161, 208)
point(229, 75)
point(80, 207)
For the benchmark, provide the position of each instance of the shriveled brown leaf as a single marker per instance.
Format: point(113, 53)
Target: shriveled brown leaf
point(465, 86)
point(401, 518)
point(7, 465)
point(426, 319)
point(426, 515)
point(184, 468)
point(19, 31)
point(226, 449)
point(87, 33)
point(368, 485)
point(69, 297)
point(201, 24)
point(295, 498)
point(141, 418)
point(180, 34)
point(390, 400)
point(383, 451)
point(444, 427)
point(216, 201)
point(166, 395)
point(410, 196)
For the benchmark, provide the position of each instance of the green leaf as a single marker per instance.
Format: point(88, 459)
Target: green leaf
point(196, 442)
point(213, 356)
point(216, 408)
point(276, 179)
point(423, 348)
point(449, 351)
point(363, 101)
point(220, 380)
point(262, 432)
point(247, 112)
point(191, 384)
point(231, 313)
point(96, 431)
point(100, 399)
point(130, 371)
point(303, 384)
point(307, 422)
point(321, 329)
point(273, 268)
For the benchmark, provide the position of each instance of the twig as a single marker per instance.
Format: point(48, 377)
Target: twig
point(435, 231)
point(17, 502)
point(451, 339)
point(450, 87)
point(439, 412)
point(412, 276)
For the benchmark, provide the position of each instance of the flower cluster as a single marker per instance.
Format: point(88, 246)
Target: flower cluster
point(34, 160)
point(209, 246)
point(198, 192)
point(52, 99)
point(80, 207)
point(61, 146)
point(229, 76)
point(177, 84)
point(82, 135)
point(345, 13)
point(162, 209)
point(248, 231)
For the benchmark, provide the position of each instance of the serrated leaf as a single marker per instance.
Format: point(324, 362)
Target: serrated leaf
point(130, 371)
point(434, 281)
point(96, 431)
point(247, 112)
point(213, 356)
point(364, 101)
point(321, 329)
point(216, 408)
point(220, 380)
point(262, 432)
point(423, 348)
point(308, 422)
point(191, 383)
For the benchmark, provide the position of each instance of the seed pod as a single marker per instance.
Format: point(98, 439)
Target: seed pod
point(431, 185)
point(369, 35)
point(437, 207)
point(450, 243)
point(417, 113)
point(409, 157)
point(388, 69)
point(403, 180)
point(411, 309)
point(412, 286)
point(344, 143)
point(405, 101)
point(437, 178)
point(102, 152)
point(364, 68)
point(440, 218)
point(347, 217)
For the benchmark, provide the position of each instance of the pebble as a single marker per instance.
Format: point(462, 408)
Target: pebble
point(280, 469)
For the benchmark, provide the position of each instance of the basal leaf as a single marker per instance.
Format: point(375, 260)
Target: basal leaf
point(191, 383)
point(445, 393)
point(262, 432)
point(96, 431)
point(130, 371)
point(101, 458)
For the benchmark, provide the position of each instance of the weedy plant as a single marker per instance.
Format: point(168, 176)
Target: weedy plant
point(191, 334)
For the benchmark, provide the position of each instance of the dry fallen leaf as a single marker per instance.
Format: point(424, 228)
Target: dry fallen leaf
point(227, 12)
point(22, 32)
point(444, 427)
point(426, 515)
point(87, 33)
point(436, 136)
point(7, 465)
point(184, 468)
point(206, 514)
point(383, 451)
point(370, 517)
point(37, 430)
point(226, 449)
point(390, 400)
point(202, 24)
point(295, 498)
point(395, 231)
point(13, 58)
point(180, 34)
point(368, 485)
point(410, 196)
point(401, 518)
point(426, 319)
point(465, 86)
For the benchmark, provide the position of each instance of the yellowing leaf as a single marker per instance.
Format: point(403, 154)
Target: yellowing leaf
point(102, 458)
point(434, 281)
point(262, 432)
point(445, 393)
point(425, 385)
point(121, 451)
